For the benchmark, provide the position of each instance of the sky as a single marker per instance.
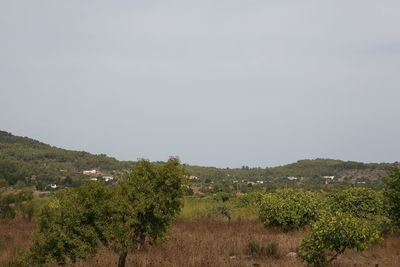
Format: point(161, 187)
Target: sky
point(219, 83)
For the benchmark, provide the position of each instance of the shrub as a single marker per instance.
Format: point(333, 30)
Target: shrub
point(331, 236)
point(361, 202)
point(222, 196)
point(27, 210)
point(7, 212)
point(248, 200)
point(224, 210)
point(288, 209)
point(264, 250)
point(392, 194)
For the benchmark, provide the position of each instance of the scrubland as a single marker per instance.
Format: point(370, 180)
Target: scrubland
point(199, 237)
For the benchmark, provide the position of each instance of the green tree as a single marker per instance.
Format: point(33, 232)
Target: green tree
point(288, 209)
point(362, 203)
point(332, 235)
point(139, 209)
point(392, 194)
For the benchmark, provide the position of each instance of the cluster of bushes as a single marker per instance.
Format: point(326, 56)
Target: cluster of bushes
point(354, 218)
point(18, 203)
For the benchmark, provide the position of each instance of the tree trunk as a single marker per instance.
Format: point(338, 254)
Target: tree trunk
point(141, 240)
point(122, 258)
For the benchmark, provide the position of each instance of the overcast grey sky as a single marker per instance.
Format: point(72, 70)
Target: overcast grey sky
point(217, 82)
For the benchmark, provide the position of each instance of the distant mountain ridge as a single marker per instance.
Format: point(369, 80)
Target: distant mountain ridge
point(31, 161)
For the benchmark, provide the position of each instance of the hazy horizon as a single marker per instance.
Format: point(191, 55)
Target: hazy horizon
point(217, 83)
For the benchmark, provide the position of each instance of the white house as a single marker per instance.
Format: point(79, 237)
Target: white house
point(93, 179)
point(292, 178)
point(53, 186)
point(328, 178)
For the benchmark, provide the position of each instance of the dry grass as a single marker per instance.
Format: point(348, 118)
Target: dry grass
point(209, 242)
point(15, 236)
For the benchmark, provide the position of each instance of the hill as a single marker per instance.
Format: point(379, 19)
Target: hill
point(29, 161)
point(307, 171)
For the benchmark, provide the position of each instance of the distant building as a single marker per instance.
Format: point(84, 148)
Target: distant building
point(260, 182)
point(89, 172)
point(328, 178)
point(192, 177)
point(292, 178)
point(108, 178)
point(93, 179)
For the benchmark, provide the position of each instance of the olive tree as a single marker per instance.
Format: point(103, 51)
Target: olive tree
point(122, 218)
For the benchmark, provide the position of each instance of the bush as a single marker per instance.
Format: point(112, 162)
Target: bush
point(361, 202)
point(224, 210)
point(288, 209)
point(7, 212)
point(248, 200)
point(331, 236)
point(222, 196)
point(26, 210)
point(392, 194)
point(264, 250)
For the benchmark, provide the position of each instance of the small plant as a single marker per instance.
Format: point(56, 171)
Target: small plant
point(224, 210)
point(271, 249)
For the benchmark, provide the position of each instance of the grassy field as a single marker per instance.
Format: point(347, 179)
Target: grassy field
point(208, 242)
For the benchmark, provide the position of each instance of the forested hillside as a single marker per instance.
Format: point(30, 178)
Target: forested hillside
point(308, 168)
point(31, 162)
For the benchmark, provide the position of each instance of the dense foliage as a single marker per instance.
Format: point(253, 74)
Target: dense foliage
point(392, 194)
point(360, 202)
point(288, 209)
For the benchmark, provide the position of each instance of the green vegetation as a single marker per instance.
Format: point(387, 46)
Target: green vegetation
point(139, 209)
point(289, 209)
point(392, 194)
point(360, 202)
point(20, 203)
point(27, 162)
point(35, 163)
point(332, 235)
point(347, 212)
point(258, 249)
